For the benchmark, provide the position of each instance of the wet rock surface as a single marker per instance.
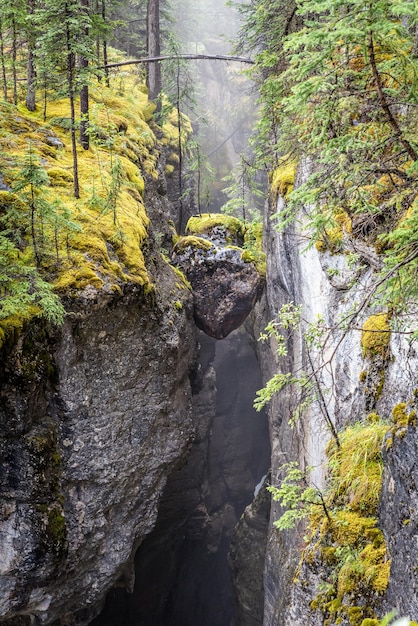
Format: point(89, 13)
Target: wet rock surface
point(247, 558)
point(182, 573)
point(93, 419)
point(398, 517)
point(225, 287)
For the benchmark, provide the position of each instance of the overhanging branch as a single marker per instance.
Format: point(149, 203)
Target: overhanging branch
point(169, 57)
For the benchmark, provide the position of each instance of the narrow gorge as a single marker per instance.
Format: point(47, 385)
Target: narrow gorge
point(208, 313)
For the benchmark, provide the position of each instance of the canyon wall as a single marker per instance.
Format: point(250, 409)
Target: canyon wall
point(357, 384)
point(94, 417)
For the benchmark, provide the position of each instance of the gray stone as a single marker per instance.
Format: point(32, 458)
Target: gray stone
point(225, 288)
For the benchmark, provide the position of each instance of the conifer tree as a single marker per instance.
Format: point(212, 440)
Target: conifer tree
point(67, 36)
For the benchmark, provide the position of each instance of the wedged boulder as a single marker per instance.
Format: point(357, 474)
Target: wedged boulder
point(225, 280)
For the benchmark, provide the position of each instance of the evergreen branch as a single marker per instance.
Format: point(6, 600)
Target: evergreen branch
point(384, 104)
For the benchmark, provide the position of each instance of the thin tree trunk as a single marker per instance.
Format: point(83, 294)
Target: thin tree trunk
point(14, 56)
point(106, 71)
point(30, 83)
point(385, 105)
point(153, 50)
point(97, 36)
point(3, 66)
point(180, 149)
point(84, 92)
point(70, 78)
point(32, 221)
point(31, 78)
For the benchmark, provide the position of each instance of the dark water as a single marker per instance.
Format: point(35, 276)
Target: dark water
point(181, 569)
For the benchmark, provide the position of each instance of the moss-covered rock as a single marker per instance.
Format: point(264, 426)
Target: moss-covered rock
point(375, 335)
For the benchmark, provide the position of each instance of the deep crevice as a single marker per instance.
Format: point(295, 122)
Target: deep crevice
point(181, 569)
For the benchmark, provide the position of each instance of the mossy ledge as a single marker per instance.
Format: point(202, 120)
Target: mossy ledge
point(232, 232)
point(96, 241)
point(347, 548)
point(375, 335)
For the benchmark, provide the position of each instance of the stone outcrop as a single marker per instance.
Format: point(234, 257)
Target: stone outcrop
point(247, 558)
point(225, 283)
point(94, 417)
point(182, 575)
point(398, 518)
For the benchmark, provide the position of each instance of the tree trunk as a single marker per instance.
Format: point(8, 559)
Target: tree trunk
point(31, 78)
point(106, 71)
point(153, 50)
point(3, 66)
point(14, 56)
point(84, 92)
point(30, 83)
point(70, 80)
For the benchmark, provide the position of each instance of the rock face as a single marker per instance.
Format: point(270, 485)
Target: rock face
point(398, 518)
point(225, 288)
point(182, 574)
point(355, 383)
point(225, 282)
point(247, 557)
point(93, 419)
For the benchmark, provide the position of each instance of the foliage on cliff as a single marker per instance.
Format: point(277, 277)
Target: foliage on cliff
point(338, 85)
point(53, 244)
point(345, 549)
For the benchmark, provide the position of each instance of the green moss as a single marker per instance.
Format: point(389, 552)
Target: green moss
point(57, 527)
point(283, 177)
point(194, 242)
point(96, 240)
point(370, 621)
point(258, 258)
point(184, 283)
point(350, 545)
point(375, 335)
point(355, 615)
point(59, 176)
point(178, 305)
point(402, 419)
point(203, 224)
point(363, 376)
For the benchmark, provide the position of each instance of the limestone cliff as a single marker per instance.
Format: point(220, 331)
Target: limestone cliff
point(358, 374)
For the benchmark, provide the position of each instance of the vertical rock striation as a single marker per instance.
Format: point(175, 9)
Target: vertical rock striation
point(92, 421)
point(355, 381)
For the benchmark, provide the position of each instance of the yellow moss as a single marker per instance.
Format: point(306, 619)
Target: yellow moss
point(9, 201)
point(59, 177)
point(184, 284)
point(355, 615)
point(401, 420)
point(193, 241)
point(369, 621)
point(320, 245)
point(283, 177)
point(351, 546)
point(169, 169)
point(375, 335)
point(400, 417)
point(343, 220)
point(258, 258)
point(204, 223)
point(358, 466)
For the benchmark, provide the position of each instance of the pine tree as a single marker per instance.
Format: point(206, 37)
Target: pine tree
point(67, 36)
